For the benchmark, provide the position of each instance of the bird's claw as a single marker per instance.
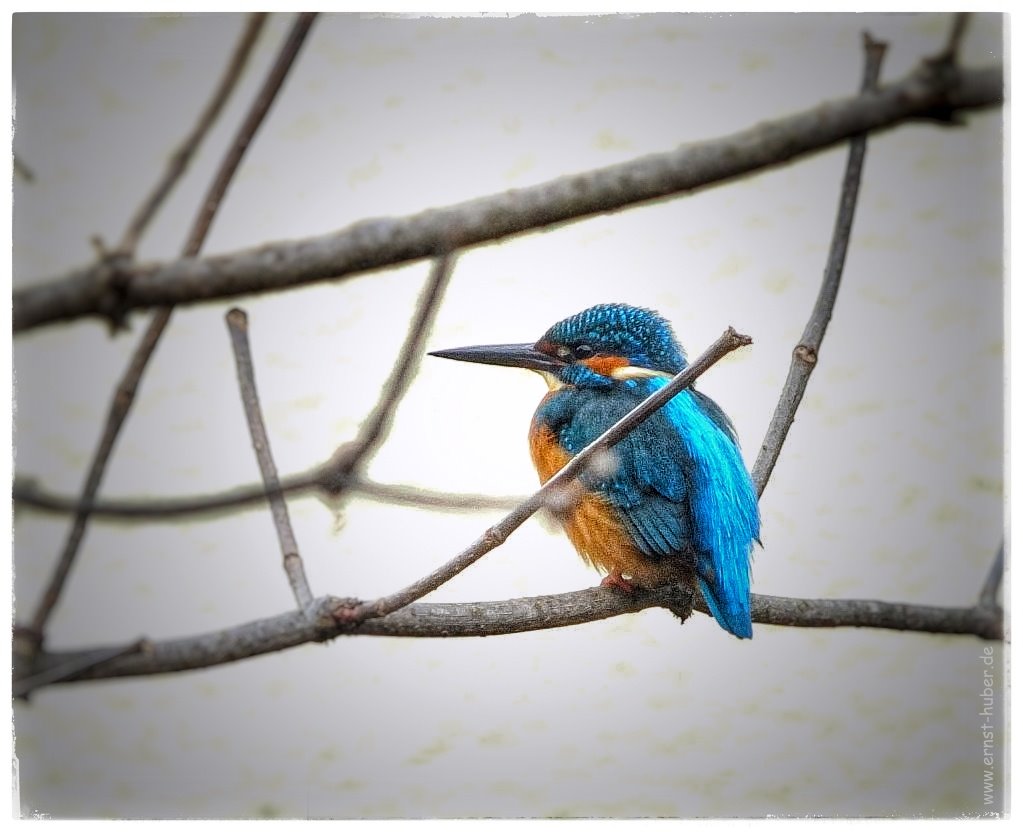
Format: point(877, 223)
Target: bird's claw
point(617, 581)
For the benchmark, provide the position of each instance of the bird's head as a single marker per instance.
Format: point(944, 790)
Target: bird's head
point(594, 348)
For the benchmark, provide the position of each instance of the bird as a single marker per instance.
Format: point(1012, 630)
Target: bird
point(673, 501)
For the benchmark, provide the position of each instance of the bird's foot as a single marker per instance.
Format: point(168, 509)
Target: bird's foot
point(616, 580)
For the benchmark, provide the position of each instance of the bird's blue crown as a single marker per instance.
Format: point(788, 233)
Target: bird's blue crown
point(639, 335)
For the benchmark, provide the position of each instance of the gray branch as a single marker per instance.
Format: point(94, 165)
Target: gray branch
point(516, 615)
point(805, 353)
point(380, 243)
point(28, 494)
point(238, 326)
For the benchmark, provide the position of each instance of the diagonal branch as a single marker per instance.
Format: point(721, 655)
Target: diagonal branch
point(989, 592)
point(180, 159)
point(124, 396)
point(335, 475)
point(338, 474)
point(804, 356)
point(238, 326)
point(378, 243)
point(950, 53)
point(353, 612)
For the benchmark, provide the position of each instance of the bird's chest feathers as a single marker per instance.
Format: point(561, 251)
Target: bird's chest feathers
point(591, 523)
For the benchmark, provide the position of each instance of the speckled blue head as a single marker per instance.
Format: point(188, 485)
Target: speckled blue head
point(641, 336)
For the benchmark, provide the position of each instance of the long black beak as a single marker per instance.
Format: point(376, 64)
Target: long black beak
point(505, 355)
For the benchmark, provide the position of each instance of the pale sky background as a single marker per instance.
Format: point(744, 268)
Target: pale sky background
point(890, 485)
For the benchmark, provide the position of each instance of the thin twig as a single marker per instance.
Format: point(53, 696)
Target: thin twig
point(180, 159)
point(118, 510)
point(354, 613)
point(124, 396)
point(379, 243)
point(335, 475)
point(243, 138)
point(804, 356)
point(23, 170)
point(339, 473)
point(989, 592)
point(238, 326)
point(516, 615)
point(950, 53)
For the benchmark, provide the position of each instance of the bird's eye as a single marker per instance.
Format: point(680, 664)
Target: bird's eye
point(583, 351)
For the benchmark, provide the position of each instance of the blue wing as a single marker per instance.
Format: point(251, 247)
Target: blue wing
point(680, 486)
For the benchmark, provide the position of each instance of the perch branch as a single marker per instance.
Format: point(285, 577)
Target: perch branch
point(517, 615)
point(378, 243)
point(124, 396)
point(238, 326)
point(354, 612)
point(804, 356)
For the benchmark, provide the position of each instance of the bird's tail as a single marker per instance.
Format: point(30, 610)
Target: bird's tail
point(730, 609)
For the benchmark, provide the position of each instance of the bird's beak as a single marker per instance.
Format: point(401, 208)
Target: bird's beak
point(505, 355)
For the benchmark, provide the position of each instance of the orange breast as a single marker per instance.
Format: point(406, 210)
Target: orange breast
point(590, 522)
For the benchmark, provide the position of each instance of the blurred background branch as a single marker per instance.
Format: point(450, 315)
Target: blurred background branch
point(378, 243)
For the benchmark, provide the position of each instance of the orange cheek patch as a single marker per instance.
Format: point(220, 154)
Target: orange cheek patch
point(605, 364)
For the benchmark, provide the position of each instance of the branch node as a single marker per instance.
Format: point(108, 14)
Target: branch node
point(805, 353)
point(344, 614)
point(114, 281)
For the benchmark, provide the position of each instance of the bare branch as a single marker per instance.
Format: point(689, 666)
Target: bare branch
point(335, 475)
point(180, 159)
point(517, 615)
point(124, 396)
point(804, 356)
point(28, 495)
point(75, 665)
point(238, 325)
point(23, 170)
point(989, 592)
point(378, 243)
point(243, 138)
point(950, 53)
point(352, 613)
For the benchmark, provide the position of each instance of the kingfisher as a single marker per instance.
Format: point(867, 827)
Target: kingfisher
point(674, 501)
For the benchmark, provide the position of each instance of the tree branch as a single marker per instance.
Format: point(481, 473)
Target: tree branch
point(516, 615)
point(238, 326)
point(804, 356)
point(989, 592)
point(124, 396)
point(180, 159)
point(23, 170)
point(950, 53)
point(337, 473)
point(352, 612)
point(378, 243)
point(28, 495)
